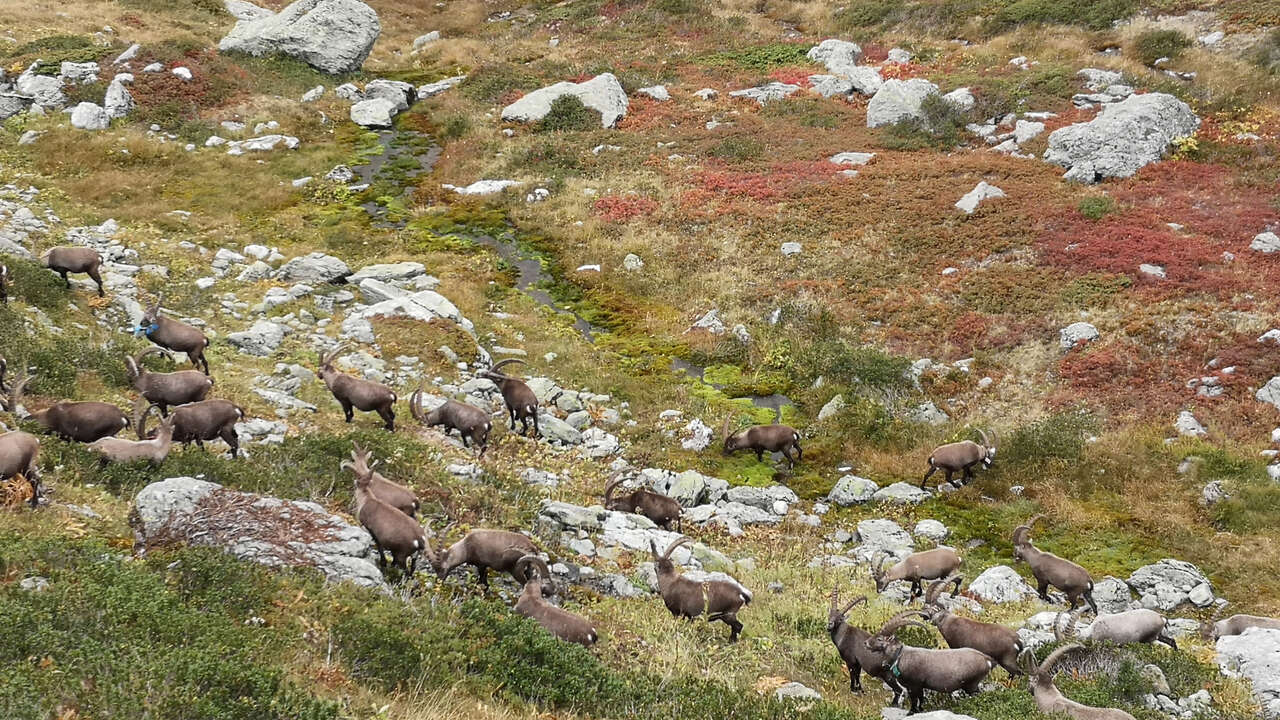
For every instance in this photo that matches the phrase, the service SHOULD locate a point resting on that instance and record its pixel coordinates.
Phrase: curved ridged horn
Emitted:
(901, 620)
(415, 403)
(985, 442)
(1046, 667)
(855, 601)
(1207, 626)
(142, 419)
(672, 548)
(931, 595)
(1034, 519)
(496, 367)
(835, 595)
(4, 366)
(137, 359)
(877, 565)
(609, 487)
(326, 359)
(521, 568)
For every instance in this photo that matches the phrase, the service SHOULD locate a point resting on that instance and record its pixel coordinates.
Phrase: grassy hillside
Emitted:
(704, 192)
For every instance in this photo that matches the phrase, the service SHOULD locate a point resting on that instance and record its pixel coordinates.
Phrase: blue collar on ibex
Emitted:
(145, 329)
(894, 669)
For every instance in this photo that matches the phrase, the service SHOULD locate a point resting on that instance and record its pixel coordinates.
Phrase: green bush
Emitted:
(35, 285)
(1059, 436)
(1155, 44)
(760, 58)
(1091, 14)
(568, 114)
(1096, 207)
(865, 13)
(940, 126)
(489, 83)
(737, 149)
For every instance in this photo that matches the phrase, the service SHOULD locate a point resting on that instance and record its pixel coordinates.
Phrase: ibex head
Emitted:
(150, 319)
(835, 615)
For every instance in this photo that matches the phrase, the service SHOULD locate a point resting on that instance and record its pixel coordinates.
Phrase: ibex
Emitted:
(1051, 701)
(174, 335)
(391, 529)
(661, 509)
(165, 389)
(521, 403)
(63, 260)
(395, 495)
(850, 641)
(761, 438)
(918, 669)
(998, 642)
(470, 421)
(11, 396)
(1213, 628)
(119, 450)
(4, 284)
(1132, 626)
(82, 421)
(486, 550)
(1049, 569)
(960, 457)
(717, 599)
(201, 421)
(917, 567)
(358, 393)
(559, 622)
(18, 454)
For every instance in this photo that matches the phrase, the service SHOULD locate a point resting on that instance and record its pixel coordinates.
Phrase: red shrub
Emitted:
(621, 208)
(874, 53)
(779, 180)
(1207, 199)
(793, 76)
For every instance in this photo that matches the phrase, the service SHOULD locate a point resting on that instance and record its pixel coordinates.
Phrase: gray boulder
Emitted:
(763, 498)
(261, 340)
(1170, 583)
(1123, 138)
(118, 101)
(314, 268)
(402, 94)
(1265, 243)
(1076, 332)
(901, 493)
(333, 36)
(839, 56)
(899, 100)
(424, 306)
(555, 430)
(88, 116)
(852, 490)
(44, 90)
(767, 92)
(879, 535)
(253, 527)
(602, 93)
(1270, 393)
(931, 530)
(1001, 584)
(796, 691)
(1255, 656)
(374, 113)
(1112, 595)
(389, 272)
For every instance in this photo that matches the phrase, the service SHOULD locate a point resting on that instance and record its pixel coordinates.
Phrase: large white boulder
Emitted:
(374, 113)
(333, 36)
(1122, 139)
(602, 93)
(1169, 583)
(839, 56)
(1001, 584)
(87, 116)
(1255, 655)
(118, 101)
(899, 100)
(1270, 393)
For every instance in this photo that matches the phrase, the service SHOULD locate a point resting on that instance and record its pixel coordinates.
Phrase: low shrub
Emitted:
(1095, 207)
(1059, 436)
(1152, 45)
(737, 149)
(1090, 14)
(941, 126)
(760, 58)
(568, 114)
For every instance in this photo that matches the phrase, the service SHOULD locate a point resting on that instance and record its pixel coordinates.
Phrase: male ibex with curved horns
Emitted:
(485, 550)
(998, 642)
(961, 457)
(521, 402)
(166, 389)
(717, 599)
(850, 641)
(919, 669)
(470, 421)
(1049, 569)
(1050, 700)
(18, 450)
(557, 621)
(1131, 626)
(174, 335)
(1213, 628)
(762, 438)
(662, 510)
(358, 393)
(393, 494)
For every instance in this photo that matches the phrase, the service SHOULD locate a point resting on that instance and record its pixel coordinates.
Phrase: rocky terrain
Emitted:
(890, 225)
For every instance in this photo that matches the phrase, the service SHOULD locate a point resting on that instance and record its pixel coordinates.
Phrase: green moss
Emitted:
(760, 57)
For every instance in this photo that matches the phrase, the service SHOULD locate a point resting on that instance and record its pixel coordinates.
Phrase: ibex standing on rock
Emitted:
(1049, 569)
(1051, 701)
(470, 421)
(63, 260)
(762, 438)
(662, 510)
(557, 621)
(851, 642)
(353, 392)
(998, 642)
(960, 457)
(521, 403)
(174, 335)
(917, 567)
(918, 669)
(717, 599)
(1213, 628)
(165, 389)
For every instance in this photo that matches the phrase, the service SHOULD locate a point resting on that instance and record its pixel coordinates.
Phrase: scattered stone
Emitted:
(1270, 393)
(88, 116)
(1112, 595)
(632, 262)
(900, 56)
(852, 490)
(130, 53)
(182, 72)
(851, 158)
(1170, 583)
(1265, 242)
(314, 268)
(698, 436)
(982, 191)
(264, 143)
(706, 93)
(832, 408)
(261, 339)
(482, 187)
(425, 39)
(1001, 584)
(435, 88)
(839, 56)
(118, 101)
(657, 92)
(1075, 333)
(961, 99)
(767, 92)
(374, 113)
(603, 93)
(932, 530)
(1187, 425)
(790, 249)
(710, 321)
(796, 691)
(313, 94)
(899, 100)
(333, 36)
(901, 493)
(1214, 492)
(1123, 138)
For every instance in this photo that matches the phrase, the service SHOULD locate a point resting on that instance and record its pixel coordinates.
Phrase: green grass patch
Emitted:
(1155, 44)
(760, 57)
(568, 114)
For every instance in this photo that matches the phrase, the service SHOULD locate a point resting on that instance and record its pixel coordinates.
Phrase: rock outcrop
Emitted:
(1123, 138)
(333, 36)
(602, 93)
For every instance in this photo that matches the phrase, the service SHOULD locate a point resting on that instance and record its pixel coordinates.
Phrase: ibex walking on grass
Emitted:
(63, 260)
(165, 389)
(851, 643)
(960, 457)
(918, 669)
(762, 438)
(1049, 569)
(717, 599)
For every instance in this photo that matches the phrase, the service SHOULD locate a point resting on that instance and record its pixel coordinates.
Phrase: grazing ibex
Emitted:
(119, 450)
(1213, 628)
(661, 509)
(1132, 626)
(521, 402)
(63, 260)
(391, 529)
(165, 389)
(353, 392)
(761, 438)
(717, 599)
(917, 567)
(557, 621)
(393, 494)
(1051, 701)
(486, 550)
(471, 422)
(1049, 569)
(960, 457)
(201, 421)
(4, 284)
(174, 335)
(851, 642)
(918, 669)
(18, 454)
(82, 421)
(998, 642)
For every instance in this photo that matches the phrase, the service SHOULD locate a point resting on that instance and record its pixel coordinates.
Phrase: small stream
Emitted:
(399, 144)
